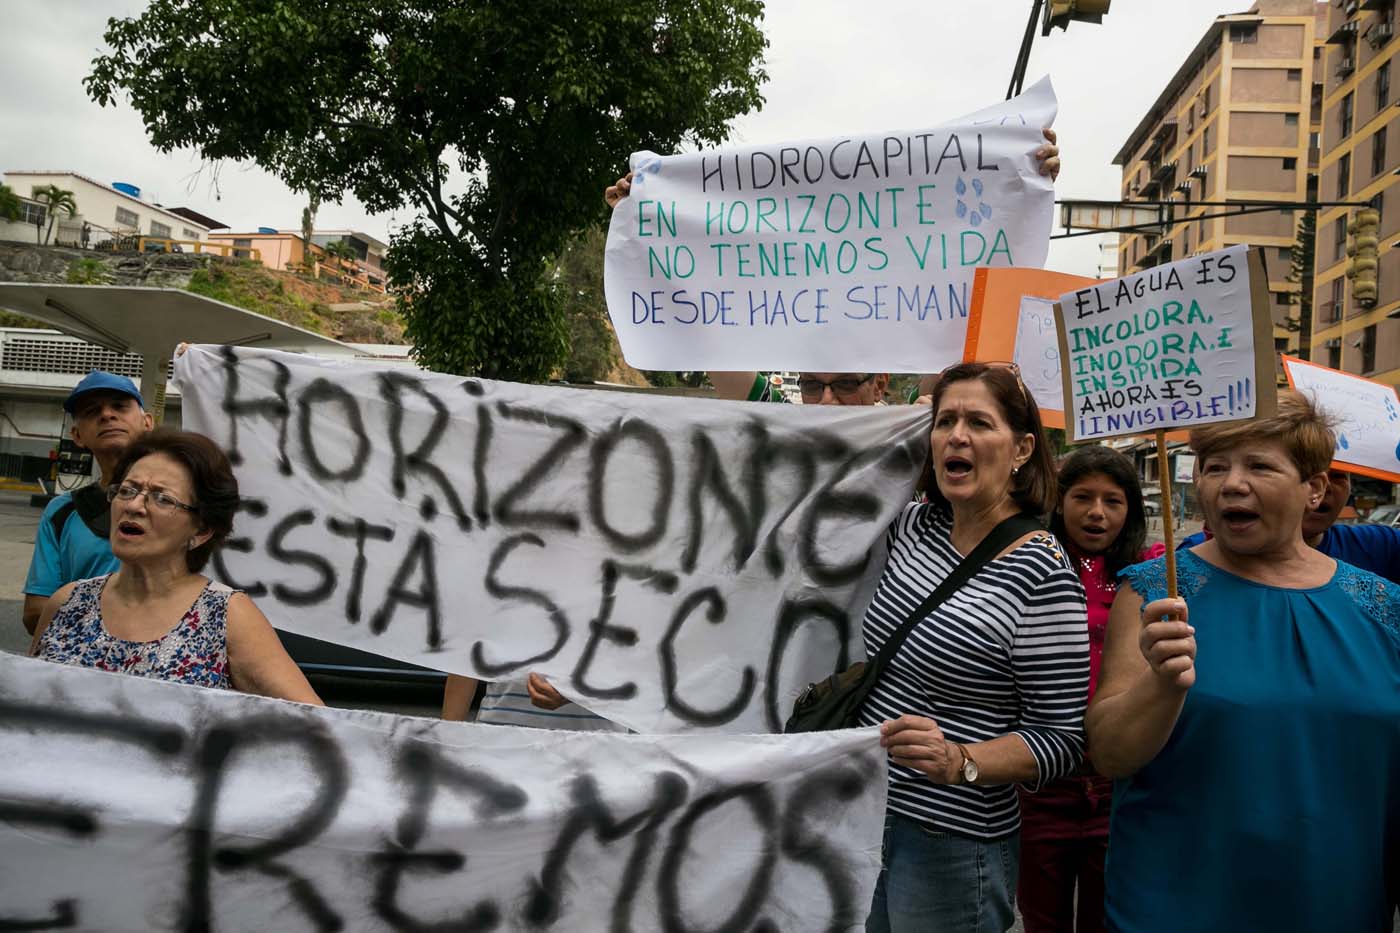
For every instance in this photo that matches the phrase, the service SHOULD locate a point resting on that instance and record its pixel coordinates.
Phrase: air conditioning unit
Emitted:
(1345, 67)
(1380, 34)
(1199, 171)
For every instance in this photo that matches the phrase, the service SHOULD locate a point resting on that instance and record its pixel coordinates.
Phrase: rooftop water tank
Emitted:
(267, 229)
(127, 188)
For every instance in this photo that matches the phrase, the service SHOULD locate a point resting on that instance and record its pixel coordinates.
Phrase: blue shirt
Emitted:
(1272, 805)
(1371, 547)
(77, 554)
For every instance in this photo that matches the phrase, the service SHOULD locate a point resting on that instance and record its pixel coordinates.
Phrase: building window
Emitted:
(1334, 355)
(126, 218)
(1290, 119)
(1314, 140)
(32, 213)
(1378, 152)
(1285, 254)
(1290, 164)
(190, 234)
(1295, 74)
(1347, 114)
(1338, 297)
(160, 230)
(1205, 141)
(1368, 349)
(1344, 176)
(1244, 33)
(1383, 86)
(1341, 238)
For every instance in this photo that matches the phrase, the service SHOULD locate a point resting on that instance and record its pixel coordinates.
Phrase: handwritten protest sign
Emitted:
(668, 564)
(1367, 415)
(132, 804)
(1013, 320)
(854, 253)
(1176, 346)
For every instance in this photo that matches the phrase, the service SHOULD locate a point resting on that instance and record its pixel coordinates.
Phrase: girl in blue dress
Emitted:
(1253, 722)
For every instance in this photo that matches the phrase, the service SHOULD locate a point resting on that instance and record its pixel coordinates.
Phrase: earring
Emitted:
(190, 546)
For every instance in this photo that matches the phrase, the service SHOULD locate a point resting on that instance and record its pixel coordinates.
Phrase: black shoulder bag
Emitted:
(835, 703)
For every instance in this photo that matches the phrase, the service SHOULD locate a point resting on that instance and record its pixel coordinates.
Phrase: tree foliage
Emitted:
(577, 280)
(499, 122)
(10, 207)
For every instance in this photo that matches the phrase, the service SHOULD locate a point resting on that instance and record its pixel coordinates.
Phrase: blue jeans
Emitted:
(936, 882)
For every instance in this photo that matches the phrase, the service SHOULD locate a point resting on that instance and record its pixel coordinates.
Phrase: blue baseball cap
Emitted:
(99, 381)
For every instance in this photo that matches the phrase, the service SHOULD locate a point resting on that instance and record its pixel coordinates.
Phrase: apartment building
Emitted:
(1359, 164)
(1238, 121)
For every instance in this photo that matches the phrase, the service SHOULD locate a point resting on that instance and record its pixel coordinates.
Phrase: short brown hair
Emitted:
(1033, 486)
(1304, 430)
(215, 487)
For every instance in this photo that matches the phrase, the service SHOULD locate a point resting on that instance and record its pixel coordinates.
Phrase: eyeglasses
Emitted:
(843, 387)
(1015, 371)
(161, 501)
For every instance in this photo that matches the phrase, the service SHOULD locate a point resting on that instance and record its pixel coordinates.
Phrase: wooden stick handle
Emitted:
(1164, 480)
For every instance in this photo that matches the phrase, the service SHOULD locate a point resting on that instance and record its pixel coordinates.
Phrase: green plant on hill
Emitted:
(499, 129)
(9, 204)
(87, 272)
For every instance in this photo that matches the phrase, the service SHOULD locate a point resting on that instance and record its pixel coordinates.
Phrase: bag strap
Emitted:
(993, 544)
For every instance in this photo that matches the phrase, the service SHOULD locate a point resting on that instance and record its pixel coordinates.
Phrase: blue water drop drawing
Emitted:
(1397, 451)
(985, 209)
(649, 166)
(961, 187)
(977, 186)
(1390, 413)
(1342, 442)
(960, 210)
(975, 219)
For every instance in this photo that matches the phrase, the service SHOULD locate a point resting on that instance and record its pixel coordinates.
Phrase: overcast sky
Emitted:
(835, 68)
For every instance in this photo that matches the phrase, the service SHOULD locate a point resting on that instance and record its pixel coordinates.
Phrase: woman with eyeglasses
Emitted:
(173, 499)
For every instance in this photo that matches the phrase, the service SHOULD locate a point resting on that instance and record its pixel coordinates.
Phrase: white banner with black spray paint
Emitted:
(136, 805)
(670, 564)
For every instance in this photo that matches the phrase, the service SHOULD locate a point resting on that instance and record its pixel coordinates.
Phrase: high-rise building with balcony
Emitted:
(1237, 122)
(1353, 328)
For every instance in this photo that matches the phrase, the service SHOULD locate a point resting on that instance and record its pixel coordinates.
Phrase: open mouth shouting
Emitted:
(1238, 519)
(130, 530)
(1094, 531)
(956, 468)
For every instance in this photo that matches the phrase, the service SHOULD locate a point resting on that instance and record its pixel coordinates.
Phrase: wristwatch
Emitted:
(969, 768)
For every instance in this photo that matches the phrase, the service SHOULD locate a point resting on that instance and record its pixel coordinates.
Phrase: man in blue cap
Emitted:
(71, 541)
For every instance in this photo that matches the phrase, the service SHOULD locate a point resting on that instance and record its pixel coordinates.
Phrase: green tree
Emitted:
(1301, 256)
(56, 199)
(500, 123)
(577, 280)
(9, 204)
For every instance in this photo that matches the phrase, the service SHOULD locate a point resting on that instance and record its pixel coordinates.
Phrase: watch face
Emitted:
(970, 771)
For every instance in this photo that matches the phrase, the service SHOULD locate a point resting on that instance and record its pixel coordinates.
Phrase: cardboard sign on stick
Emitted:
(1013, 320)
(1176, 346)
(1367, 413)
(845, 254)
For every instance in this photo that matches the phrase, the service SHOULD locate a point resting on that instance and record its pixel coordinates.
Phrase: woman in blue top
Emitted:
(1257, 737)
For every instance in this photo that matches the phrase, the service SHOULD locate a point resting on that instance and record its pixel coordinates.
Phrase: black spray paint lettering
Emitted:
(273, 407)
(745, 514)
(278, 550)
(793, 614)
(420, 561)
(423, 770)
(833, 503)
(220, 745)
(392, 387)
(509, 510)
(361, 531)
(320, 392)
(78, 822)
(240, 545)
(713, 600)
(589, 814)
(648, 439)
(601, 629)
(525, 594)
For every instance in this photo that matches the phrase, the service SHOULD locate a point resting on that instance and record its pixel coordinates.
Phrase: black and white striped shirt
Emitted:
(1008, 653)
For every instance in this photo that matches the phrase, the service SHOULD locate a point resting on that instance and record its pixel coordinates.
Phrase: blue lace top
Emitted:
(1272, 805)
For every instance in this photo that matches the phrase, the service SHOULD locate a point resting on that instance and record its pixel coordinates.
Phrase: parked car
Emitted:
(1384, 515)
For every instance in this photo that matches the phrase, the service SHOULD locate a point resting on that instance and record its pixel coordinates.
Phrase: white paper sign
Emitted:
(1168, 348)
(1185, 468)
(670, 564)
(834, 255)
(1367, 415)
(137, 805)
(1038, 353)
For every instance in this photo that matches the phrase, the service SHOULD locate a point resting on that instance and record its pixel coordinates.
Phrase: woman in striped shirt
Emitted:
(989, 689)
